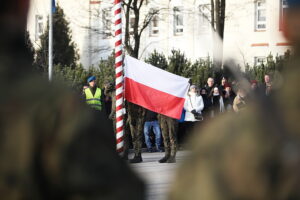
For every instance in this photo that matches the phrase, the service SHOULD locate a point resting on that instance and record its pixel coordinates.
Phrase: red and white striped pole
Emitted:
(119, 75)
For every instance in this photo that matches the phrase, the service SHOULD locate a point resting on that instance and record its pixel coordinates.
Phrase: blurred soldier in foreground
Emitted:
(257, 155)
(51, 145)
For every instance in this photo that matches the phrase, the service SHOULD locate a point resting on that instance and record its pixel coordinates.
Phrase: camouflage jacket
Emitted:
(52, 145)
(255, 156)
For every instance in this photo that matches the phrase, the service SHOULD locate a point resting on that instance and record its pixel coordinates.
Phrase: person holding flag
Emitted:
(160, 91)
(169, 131)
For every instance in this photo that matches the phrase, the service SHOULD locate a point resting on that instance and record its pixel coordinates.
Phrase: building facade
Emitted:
(90, 27)
(253, 28)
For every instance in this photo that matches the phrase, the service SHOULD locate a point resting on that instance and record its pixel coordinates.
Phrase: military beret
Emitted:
(227, 85)
(91, 78)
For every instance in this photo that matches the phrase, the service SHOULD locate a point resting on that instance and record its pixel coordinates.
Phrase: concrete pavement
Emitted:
(157, 176)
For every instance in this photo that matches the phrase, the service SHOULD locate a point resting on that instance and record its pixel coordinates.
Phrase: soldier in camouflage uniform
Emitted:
(257, 155)
(169, 132)
(109, 91)
(52, 145)
(136, 122)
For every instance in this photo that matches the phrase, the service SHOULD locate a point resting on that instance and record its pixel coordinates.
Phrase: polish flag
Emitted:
(153, 88)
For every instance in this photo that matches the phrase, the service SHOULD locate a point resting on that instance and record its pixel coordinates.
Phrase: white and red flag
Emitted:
(153, 88)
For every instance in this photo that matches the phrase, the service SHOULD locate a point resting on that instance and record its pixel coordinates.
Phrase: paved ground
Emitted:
(157, 176)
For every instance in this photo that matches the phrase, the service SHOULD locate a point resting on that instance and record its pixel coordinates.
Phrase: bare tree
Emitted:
(216, 17)
(219, 24)
(135, 24)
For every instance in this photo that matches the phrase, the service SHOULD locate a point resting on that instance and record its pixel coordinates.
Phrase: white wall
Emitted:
(196, 39)
(242, 40)
(77, 13)
(240, 37)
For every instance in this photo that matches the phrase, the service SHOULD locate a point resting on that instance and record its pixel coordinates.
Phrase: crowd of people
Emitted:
(205, 103)
(202, 104)
(228, 96)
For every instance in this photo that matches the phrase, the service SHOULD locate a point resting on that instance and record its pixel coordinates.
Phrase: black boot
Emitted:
(171, 159)
(136, 159)
(164, 159)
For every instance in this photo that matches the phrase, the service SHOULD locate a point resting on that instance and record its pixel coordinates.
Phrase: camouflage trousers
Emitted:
(136, 135)
(169, 132)
(136, 123)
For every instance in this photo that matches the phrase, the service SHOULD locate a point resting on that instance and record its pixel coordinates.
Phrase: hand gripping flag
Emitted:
(153, 88)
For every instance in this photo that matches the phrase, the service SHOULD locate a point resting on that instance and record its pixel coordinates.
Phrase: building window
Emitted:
(107, 22)
(154, 26)
(131, 23)
(260, 15)
(259, 60)
(39, 27)
(204, 18)
(178, 21)
(283, 10)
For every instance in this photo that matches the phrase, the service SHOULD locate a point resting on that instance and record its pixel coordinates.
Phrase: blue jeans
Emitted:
(156, 129)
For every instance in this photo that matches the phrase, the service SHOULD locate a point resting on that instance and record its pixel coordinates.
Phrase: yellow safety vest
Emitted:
(93, 101)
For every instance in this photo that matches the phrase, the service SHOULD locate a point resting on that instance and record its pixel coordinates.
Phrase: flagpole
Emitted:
(119, 75)
(50, 41)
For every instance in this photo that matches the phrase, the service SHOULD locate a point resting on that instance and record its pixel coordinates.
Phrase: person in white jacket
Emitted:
(193, 103)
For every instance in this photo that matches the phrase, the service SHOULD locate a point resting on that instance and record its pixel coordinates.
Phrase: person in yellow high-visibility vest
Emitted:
(93, 94)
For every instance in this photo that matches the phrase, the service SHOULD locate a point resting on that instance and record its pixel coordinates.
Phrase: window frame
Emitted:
(204, 18)
(131, 22)
(257, 62)
(258, 9)
(39, 26)
(282, 12)
(154, 28)
(178, 13)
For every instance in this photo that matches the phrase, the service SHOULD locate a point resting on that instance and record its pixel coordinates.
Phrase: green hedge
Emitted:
(177, 63)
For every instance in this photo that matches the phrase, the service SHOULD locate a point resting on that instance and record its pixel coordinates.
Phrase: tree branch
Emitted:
(141, 3)
(212, 12)
(128, 4)
(127, 44)
(147, 20)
